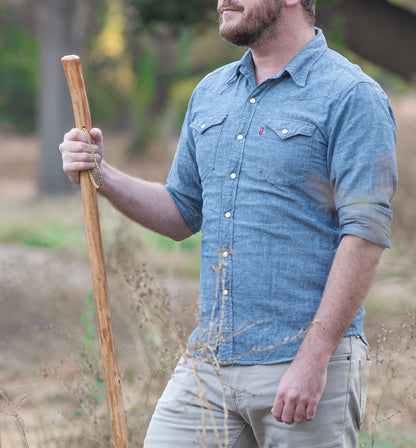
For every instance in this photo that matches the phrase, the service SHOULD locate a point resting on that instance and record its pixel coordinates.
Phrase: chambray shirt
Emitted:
(274, 175)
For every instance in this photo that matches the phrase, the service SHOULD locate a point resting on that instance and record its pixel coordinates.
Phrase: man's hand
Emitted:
(299, 392)
(302, 386)
(76, 154)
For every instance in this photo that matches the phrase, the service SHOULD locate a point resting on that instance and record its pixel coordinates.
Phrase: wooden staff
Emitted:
(73, 71)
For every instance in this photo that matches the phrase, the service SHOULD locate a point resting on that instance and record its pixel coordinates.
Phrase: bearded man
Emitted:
(286, 161)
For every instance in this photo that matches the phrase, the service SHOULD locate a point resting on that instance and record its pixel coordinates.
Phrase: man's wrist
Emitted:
(317, 347)
(106, 173)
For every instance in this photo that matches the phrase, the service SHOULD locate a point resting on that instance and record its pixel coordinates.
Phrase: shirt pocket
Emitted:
(286, 149)
(207, 132)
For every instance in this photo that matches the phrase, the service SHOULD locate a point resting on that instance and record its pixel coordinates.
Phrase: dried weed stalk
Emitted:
(392, 379)
(11, 408)
(159, 340)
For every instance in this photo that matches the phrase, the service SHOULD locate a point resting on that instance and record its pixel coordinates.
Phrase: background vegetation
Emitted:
(141, 61)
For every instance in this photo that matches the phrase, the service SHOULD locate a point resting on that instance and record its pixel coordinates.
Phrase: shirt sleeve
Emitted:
(362, 163)
(184, 183)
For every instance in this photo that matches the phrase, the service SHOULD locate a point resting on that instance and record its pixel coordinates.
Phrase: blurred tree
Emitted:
(141, 55)
(377, 30)
(62, 28)
(176, 13)
(166, 29)
(109, 72)
(18, 69)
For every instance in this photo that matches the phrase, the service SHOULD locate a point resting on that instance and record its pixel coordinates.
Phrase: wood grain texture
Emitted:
(73, 71)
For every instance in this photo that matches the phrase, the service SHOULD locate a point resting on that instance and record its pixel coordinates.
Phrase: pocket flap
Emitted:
(289, 128)
(202, 124)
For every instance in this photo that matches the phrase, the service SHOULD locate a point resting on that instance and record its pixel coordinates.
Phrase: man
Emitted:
(286, 162)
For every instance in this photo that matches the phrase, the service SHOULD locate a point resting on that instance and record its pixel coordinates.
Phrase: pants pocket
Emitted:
(364, 380)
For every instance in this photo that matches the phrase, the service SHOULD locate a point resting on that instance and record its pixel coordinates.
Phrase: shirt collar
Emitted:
(298, 68)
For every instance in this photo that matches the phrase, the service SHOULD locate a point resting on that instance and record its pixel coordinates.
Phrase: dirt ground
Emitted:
(32, 322)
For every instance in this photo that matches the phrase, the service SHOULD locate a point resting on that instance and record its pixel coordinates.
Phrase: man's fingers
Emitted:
(300, 412)
(288, 413)
(278, 409)
(73, 146)
(76, 151)
(292, 412)
(83, 156)
(96, 135)
(284, 410)
(311, 411)
(75, 135)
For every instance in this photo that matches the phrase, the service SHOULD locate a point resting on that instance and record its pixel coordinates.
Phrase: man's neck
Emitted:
(271, 57)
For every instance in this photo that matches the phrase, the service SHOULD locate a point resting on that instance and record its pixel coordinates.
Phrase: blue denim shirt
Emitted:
(274, 175)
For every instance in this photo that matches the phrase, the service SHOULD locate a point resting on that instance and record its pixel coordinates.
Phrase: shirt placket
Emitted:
(227, 218)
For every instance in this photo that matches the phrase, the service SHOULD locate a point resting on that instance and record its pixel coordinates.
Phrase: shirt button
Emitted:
(253, 100)
(225, 292)
(228, 215)
(233, 175)
(203, 126)
(225, 254)
(240, 137)
(285, 131)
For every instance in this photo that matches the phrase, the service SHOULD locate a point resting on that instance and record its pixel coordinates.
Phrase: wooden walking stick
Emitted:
(73, 71)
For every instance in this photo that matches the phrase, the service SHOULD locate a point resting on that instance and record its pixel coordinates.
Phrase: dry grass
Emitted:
(50, 366)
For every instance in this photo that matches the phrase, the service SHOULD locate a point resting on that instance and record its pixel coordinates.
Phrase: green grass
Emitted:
(364, 441)
(59, 225)
(42, 233)
(178, 257)
(190, 244)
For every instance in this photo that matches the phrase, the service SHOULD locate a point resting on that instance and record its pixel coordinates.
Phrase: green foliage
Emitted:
(176, 13)
(162, 242)
(366, 441)
(93, 388)
(179, 257)
(88, 318)
(323, 3)
(145, 69)
(18, 79)
(49, 234)
(179, 94)
(103, 98)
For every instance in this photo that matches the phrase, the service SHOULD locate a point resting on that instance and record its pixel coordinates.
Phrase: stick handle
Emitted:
(73, 70)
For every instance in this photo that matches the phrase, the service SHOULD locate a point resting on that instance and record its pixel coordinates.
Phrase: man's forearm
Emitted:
(147, 203)
(348, 282)
(351, 274)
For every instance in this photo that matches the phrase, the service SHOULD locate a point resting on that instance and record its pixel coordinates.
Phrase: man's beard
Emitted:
(256, 28)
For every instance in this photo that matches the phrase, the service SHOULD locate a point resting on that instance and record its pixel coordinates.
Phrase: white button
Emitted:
(240, 137)
(253, 100)
(285, 131)
(233, 175)
(225, 292)
(225, 254)
(228, 215)
(203, 126)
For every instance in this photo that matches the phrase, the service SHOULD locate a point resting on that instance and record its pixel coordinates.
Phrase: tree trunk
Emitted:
(376, 30)
(61, 29)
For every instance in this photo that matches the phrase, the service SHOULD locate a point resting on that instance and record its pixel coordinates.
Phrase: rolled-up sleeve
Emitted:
(362, 163)
(184, 183)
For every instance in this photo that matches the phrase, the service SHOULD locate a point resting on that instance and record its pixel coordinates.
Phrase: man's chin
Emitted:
(227, 30)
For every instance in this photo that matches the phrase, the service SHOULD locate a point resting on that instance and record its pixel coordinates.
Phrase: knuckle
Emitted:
(75, 134)
(79, 146)
(70, 134)
(293, 395)
(288, 420)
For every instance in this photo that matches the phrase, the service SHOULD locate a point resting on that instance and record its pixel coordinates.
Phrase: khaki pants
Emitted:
(190, 412)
